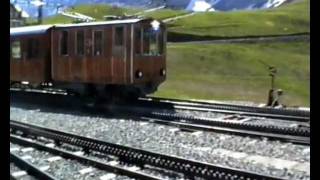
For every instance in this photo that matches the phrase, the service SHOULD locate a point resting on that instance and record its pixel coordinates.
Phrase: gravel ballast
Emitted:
(61, 168)
(203, 146)
(14, 170)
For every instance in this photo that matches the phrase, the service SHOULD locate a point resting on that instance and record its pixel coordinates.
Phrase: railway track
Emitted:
(189, 168)
(76, 156)
(192, 123)
(27, 169)
(147, 111)
(286, 114)
(202, 106)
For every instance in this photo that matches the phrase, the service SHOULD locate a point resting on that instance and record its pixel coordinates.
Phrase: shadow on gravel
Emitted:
(71, 105)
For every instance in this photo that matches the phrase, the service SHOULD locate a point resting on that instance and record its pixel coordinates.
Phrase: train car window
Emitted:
(64, 43)
(137, 38)
(146, 41)
(152, 42)
(161, 42)
(80, 42)
(16, 50)
(97, 40)
(119, 36)
(33, 48)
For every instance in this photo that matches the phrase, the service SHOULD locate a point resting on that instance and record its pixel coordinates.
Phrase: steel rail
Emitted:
(281, 114)
(287, 114)
(31, 169)
(193, 127)
(86, 160)
(250, 108)
(237, 125)
(232, 108)
(189, 168)
(287, 134)
(147, 113)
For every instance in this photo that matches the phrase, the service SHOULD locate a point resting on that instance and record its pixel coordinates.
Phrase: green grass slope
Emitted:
(98, 11)
(95, 11)
(287, 19)
(233, 72)
(164, 13)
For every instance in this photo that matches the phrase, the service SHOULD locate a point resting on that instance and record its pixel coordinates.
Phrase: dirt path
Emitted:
(149, 10)
(178, 17)
(284, 38)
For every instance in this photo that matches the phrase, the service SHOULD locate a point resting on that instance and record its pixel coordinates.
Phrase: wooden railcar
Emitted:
(127, 56)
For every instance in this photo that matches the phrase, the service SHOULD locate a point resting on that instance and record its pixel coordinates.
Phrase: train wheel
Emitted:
(90, 91)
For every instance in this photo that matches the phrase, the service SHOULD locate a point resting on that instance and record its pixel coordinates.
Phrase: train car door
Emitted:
(119, 54)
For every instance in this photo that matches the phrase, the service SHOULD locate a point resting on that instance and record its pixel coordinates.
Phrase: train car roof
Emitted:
(42, 29)
(29, 30)
(124, 21)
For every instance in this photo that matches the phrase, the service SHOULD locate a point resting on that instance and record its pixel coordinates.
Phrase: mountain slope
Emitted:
(232, 71)
(288, 19)
(227, 5)
(221, 5)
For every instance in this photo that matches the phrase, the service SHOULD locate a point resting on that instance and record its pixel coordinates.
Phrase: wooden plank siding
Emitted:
(34, 70)
(115, 65)
(85, 68)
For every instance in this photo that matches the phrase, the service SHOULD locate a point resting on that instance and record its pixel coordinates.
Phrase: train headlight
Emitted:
(139, 74)
(163, 72)
(155, 25)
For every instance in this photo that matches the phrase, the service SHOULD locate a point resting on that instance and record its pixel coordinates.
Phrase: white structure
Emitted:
(17, 16)
(223, 5)
(273, 3)
(78, 16)
(191, 5)
(38, 3)
(199, 6)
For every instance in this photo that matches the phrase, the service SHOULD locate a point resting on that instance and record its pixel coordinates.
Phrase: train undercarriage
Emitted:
(98, 91)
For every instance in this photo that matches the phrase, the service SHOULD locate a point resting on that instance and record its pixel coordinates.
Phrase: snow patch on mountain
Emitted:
(24, 14)
(229, 5)
(199, 6)
(273, 3)
(51, 6)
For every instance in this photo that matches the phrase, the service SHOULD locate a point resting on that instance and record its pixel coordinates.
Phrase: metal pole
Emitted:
(272, 82)
(273, 72)
(40, 13)
(272, 98)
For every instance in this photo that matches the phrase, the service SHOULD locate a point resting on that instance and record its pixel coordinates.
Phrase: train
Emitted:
(125, 57)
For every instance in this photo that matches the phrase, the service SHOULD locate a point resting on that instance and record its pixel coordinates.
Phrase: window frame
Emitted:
(20, 49)
(115, 36)
(83, 43)
(60, 42)
(93, 42)
(162, 42)
(154, 43)
(140, 29)
(33, 48)
(157, 42)
(143, 42)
